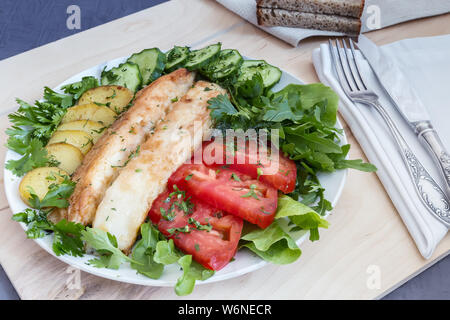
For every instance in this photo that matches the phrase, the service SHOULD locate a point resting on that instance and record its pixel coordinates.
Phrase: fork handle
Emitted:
(430, 193)
(430, 138)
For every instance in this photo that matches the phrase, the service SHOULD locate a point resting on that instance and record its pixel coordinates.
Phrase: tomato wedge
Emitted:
(211, 236)
(272, 167)
(228, 190)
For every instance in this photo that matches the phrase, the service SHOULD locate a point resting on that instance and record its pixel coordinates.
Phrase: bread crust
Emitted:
(348, 8)
(285, 18)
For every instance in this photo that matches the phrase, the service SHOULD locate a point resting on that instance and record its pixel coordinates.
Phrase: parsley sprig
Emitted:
(33, 125)
(67, 235)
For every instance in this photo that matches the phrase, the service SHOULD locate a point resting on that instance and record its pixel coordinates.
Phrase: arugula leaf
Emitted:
(301, 215)
(342, 163)
(78, 88)
(144, 252)
(166, 253)
(153, 252)
(106, 245)
(277, 112)
(192, 271)
(272, 244)
(356, 164)
(306, 97)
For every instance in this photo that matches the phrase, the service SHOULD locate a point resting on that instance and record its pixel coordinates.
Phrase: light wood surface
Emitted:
(365, 233)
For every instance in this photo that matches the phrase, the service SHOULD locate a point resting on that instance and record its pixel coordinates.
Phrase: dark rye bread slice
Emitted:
(285, 18)
(348, 8)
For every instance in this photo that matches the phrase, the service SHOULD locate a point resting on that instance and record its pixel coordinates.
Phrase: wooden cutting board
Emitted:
(366, 239)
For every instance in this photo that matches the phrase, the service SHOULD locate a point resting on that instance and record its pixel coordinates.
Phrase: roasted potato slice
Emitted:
(114, 97)
(93, 128)
(90, 111)
(68, 156)
(38, 180)
(77, 138)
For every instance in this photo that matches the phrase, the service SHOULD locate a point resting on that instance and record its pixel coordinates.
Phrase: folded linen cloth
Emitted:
(377, 14)
(424, 62)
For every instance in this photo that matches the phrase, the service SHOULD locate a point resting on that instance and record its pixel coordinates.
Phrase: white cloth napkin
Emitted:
(377, 14)
(424, 61)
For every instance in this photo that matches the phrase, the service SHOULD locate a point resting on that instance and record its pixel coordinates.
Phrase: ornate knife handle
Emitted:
(430, 138)
(428, 190)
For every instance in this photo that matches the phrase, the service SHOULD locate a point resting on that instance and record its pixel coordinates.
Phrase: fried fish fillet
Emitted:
(128, 200)
(114, 149)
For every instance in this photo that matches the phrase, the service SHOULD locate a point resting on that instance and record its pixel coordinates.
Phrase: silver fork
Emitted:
(351, 81)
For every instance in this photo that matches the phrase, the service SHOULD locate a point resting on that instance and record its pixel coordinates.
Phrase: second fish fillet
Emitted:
(118, 145)
(127, 202)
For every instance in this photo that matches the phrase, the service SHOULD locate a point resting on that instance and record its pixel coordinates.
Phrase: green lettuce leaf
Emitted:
(301, 215)
(272, 244)
(166, 253)
(144, 251)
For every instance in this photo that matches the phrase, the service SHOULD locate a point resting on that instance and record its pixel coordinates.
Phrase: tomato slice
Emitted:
(272, 167)
(212, 248)
(230, 191)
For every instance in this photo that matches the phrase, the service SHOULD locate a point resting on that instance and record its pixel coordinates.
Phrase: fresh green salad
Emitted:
(305, 116)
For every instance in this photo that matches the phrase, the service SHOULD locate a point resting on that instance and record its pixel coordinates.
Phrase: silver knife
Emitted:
(405, 99)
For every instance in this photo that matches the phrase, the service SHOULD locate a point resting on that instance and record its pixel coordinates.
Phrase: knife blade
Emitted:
(407, 102)
(403, 96)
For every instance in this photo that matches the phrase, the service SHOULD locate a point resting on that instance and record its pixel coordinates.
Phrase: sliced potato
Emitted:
(38, 180)
(90, 111)
(93, 128)
(77, 138)
(115, 97)
(68, 156)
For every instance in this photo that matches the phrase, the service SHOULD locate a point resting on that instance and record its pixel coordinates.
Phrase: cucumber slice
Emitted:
(126, 75)
(176, 58)
(270, 74)
(151, 63)
(200, 58)
(227, 62)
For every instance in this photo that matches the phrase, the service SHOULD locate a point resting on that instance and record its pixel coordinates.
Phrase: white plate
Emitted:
(245, 260)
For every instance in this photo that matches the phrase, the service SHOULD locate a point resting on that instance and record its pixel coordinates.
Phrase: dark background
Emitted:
(27, 24)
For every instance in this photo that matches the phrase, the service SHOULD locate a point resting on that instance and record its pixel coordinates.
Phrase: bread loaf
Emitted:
(286, 18)
(348, 8)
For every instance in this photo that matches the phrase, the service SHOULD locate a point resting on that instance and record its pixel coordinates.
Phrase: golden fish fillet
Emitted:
(127, 202)
(114, 149)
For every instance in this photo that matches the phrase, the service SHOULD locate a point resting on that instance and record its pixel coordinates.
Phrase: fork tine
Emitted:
(345, 66)
(338, 67)
(350, 65)
(352, 48)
